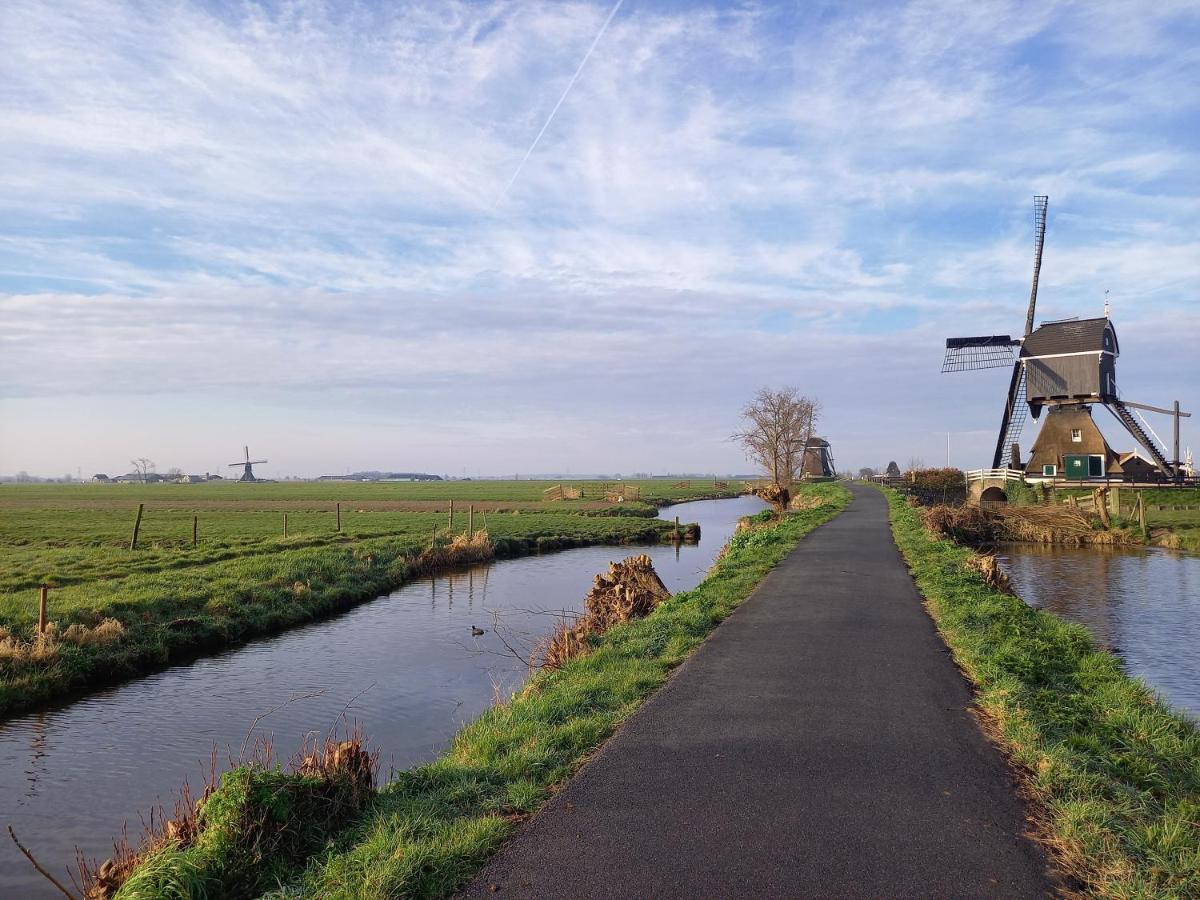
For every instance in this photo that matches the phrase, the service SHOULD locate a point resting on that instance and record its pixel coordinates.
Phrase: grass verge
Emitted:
(1116, 771)
(174, 614)
(429, 830)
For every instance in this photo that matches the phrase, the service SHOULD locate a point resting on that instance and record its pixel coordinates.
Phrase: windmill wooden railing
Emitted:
(994, 474)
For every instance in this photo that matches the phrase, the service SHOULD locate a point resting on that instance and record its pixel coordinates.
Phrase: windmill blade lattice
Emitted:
(967, 354)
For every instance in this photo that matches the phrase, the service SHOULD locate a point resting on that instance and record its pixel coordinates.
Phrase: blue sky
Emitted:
(287, 225)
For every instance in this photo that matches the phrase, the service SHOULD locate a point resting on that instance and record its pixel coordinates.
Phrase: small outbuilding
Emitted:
(1136, 469)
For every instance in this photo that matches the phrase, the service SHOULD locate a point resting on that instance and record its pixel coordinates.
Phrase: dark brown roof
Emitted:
(1074, 336)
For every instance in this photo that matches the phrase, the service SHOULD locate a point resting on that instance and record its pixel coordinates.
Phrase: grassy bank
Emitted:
(117, 612)
(1177, 529)
(430, 829)
(1115, 772)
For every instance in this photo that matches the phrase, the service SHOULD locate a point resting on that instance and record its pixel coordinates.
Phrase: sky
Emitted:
(324, 229)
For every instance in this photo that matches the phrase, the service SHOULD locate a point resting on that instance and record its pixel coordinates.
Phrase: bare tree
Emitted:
(777, 424)
(142, 467)
(915, 464)
(866, 473)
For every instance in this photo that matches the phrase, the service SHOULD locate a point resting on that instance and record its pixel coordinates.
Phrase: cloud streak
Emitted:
(562, 97)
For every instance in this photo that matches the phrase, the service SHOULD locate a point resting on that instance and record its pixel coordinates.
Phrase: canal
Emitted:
(1143, 603)
(405, 667)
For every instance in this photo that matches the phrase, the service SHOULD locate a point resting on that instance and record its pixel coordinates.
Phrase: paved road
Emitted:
(819, 744)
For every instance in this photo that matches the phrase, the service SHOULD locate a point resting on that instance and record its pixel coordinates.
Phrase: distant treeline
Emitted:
(382, 476)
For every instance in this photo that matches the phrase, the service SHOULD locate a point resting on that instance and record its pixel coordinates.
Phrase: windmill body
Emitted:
(818, 459)
(1064, 367)
(247, 466)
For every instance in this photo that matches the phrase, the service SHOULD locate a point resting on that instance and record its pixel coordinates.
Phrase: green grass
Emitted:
(1116, 772)
(1183, 523)
(653, 490)
(431, 828)
(243, 579)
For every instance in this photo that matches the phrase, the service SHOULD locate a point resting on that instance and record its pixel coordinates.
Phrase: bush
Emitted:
(932, 486)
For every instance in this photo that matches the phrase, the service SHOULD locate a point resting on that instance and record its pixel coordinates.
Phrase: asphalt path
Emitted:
(819, 744)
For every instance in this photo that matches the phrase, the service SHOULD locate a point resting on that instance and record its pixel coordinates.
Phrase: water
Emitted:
(1144, 604)
(405, 667)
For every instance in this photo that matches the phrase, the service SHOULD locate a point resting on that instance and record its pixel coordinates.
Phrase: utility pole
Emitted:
(1175, 460)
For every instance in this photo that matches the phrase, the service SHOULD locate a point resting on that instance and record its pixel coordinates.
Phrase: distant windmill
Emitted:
(1065, 367)
(248, 472)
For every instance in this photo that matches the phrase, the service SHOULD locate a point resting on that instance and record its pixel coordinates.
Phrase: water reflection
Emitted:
(1142, 603)
(407, 667)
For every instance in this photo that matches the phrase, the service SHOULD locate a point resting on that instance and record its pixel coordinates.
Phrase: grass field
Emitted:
(244, 578)
(1184, 524)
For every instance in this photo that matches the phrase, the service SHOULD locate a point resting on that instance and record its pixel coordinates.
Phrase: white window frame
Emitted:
(1050, 470)
(1077, 435)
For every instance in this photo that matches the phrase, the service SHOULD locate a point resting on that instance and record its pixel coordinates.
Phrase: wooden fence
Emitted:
(619, 493)
(561, 492)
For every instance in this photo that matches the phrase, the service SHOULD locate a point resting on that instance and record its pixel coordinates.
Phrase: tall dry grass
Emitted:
(630, 590)
(1032, 524)
(44, 647)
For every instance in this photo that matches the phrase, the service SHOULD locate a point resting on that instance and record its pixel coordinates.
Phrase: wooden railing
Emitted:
(994, 474)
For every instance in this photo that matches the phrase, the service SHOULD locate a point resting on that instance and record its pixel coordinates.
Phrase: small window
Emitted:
(1050, 471)
(1077, 435)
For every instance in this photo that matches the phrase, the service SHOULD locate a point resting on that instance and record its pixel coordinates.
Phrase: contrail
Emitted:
(570, 84)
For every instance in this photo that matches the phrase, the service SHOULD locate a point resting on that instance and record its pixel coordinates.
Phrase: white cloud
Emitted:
(308, 196)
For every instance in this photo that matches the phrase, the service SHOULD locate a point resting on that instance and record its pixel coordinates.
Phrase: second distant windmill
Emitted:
(248, 464)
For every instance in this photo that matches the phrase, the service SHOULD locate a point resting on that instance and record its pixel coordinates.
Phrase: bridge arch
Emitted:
(993, 494)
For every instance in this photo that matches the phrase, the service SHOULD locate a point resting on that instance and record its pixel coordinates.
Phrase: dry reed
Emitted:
(1033, 524)
(630, 590)
(339, 782)
(44, 647)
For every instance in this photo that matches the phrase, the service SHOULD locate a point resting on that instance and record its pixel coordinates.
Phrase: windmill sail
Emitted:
(993, 351)
(1015, 413)
(1040, 205)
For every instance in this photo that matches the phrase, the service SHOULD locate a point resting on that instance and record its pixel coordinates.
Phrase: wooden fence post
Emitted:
(450, 523)
(43, 603)
(285, 530)
(137, 526)
(195, 529)
(1141, 511)
(1100, 501)
(339, 517)
(677, 529)
(471, 519)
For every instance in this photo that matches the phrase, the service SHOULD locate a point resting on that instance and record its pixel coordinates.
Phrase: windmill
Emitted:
(248, 472)
(1066, 367)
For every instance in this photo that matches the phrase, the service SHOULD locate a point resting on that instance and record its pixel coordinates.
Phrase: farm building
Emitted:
(1135, 468)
